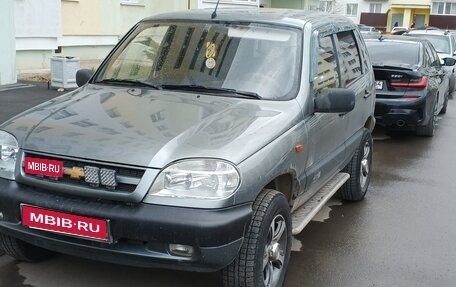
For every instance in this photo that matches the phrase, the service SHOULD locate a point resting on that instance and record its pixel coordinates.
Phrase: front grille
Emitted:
(127, 178)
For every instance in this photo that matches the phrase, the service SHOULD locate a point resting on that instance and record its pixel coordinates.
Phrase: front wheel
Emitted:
(360, 170)
(23, 251)
(265, 252)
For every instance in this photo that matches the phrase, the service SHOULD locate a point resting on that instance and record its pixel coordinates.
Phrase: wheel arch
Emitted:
(286, 184)
(370, 123)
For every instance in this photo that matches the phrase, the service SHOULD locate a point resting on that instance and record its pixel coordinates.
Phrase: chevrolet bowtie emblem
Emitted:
(74, 172)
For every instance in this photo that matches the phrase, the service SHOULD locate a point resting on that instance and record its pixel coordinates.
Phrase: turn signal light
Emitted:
(181, 250)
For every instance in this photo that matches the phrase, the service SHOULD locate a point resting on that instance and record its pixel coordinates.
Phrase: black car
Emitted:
(411, 85)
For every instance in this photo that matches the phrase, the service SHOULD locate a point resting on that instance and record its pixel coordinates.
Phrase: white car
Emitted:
(369, 31)
(399, 30)
(444, 43)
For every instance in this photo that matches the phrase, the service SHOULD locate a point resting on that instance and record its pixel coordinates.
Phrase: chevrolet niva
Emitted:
(201, 143)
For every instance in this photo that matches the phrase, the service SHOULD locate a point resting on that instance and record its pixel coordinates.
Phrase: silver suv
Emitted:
(203, 142)
(445, 45)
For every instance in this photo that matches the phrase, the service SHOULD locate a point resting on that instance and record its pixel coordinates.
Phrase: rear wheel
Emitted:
(428, 130)
(23, 251)
(359, 169)
(265, 252)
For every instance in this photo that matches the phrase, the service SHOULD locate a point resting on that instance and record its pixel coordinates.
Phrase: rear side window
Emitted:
(350, 60)
(428, 59)
(434, 57)
(328, 72)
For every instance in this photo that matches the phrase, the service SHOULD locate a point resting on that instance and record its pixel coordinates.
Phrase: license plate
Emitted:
(65, 223)
(43, 167)
(379, 85)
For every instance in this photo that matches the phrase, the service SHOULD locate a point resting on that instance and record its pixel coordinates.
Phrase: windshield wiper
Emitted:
(130, 82)
(199, 88)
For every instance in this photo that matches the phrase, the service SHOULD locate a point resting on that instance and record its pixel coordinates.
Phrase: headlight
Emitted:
(8, 152)
(200, 179)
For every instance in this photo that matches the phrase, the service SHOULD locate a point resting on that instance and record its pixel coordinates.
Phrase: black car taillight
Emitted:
(419, 83)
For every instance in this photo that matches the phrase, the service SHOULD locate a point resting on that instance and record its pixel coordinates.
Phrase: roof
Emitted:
(286, 17)
(429, 32)
(397, 39)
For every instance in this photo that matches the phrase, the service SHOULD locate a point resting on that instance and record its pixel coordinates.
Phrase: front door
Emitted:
(325, 130)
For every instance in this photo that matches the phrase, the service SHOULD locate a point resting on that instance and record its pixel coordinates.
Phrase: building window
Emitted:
(132, 2)
(326, 6)
(351, 62)
(444, 8)
(328, 70)
(352, 9)
(375, 8)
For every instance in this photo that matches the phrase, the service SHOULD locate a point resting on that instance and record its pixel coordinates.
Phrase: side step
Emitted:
(303, 215)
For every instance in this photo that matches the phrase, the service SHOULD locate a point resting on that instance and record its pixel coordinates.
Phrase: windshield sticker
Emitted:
(210, 50)
(210, 63)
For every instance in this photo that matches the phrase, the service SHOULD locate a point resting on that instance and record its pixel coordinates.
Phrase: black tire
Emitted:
(261, 255)
(445, 104)
(23, 251)
(428, 130)
(360, 170)
(452, 87)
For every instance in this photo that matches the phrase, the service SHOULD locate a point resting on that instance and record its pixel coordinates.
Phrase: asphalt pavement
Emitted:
(19, 97)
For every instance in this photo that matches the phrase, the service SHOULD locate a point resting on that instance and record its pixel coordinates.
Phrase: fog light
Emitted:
(1, 215)
(181, 250)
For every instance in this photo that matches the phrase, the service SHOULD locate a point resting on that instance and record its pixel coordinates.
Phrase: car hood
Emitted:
(149, 128)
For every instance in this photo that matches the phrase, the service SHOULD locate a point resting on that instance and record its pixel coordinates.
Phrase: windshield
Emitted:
(393, 53)
(258, 59)
(441, 43)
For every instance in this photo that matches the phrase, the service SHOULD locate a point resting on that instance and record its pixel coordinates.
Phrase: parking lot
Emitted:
(402, 234)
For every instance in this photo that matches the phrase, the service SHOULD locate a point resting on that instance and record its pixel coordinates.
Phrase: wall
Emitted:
(37, 24)
(7, 48)
(228, 3)
(290, 4)
(87, 29)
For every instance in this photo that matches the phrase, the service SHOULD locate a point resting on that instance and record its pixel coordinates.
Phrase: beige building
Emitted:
(87, 29)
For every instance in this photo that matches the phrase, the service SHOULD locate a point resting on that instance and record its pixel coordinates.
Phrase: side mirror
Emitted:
(449, 62)
(83, 76)
(335, 100)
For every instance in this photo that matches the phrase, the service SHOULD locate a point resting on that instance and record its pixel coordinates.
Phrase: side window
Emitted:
(364, 54)
(427, 58)
(328, 72)
(453, 40)
(350, 62)
(435, 60)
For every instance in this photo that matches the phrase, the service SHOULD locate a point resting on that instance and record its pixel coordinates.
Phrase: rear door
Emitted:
(440, 80)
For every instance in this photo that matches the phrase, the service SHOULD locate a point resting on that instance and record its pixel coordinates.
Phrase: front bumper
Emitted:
(141, 233)
(402, 114)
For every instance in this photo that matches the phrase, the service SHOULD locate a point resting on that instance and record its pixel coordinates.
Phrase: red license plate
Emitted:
(43, 167)
(64, 223)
